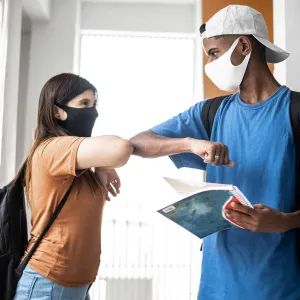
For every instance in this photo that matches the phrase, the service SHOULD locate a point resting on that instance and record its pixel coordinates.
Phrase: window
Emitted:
(142, 81)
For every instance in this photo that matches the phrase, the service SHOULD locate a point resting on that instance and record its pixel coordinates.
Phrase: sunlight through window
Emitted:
(142, 81)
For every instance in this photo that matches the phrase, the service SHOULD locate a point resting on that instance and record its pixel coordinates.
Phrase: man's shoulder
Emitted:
(219, 98)
(212, 104)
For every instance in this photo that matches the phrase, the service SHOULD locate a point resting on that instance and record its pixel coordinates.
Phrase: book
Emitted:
(201, 205)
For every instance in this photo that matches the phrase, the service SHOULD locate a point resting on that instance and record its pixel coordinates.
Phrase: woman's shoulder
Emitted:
(60, 141)
(58, 154)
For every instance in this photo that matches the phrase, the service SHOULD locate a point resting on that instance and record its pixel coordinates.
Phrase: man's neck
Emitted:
(258, 85)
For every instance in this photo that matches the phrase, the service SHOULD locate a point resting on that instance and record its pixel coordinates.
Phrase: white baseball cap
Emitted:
(243, 20)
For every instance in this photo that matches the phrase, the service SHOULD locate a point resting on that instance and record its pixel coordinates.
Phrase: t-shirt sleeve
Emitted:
(59, 155)
(186, 124)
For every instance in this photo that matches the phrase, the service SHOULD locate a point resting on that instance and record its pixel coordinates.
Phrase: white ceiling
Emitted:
(144, 1)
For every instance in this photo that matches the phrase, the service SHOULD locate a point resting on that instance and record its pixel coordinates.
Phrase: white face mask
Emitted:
(224, 74)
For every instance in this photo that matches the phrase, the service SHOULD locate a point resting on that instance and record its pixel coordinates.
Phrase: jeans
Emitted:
(33, 286)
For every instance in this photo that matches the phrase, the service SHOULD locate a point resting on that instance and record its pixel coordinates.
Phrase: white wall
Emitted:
(286, 26)
(279, 24)
(198, 54)
(292, 17)
(37, 9)
(139, 17)
(23, 89)
(52, 52)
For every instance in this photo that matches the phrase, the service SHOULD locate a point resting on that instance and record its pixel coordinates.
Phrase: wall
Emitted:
(292, 8)
(286, 23)
(138, 17)
(37, 9)
(279, 23)
(23, 89)
(198, 55)
(209, 8)
(52, 51)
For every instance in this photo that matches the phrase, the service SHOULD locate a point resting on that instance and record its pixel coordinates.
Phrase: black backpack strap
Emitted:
(23, 264)
(208, 113)
(295, 121)
(295, 118)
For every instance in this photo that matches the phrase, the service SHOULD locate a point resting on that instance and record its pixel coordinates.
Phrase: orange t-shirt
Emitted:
(69, 254)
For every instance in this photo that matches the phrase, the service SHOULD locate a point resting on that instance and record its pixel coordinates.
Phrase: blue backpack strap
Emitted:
(208, 113)
(295, 121)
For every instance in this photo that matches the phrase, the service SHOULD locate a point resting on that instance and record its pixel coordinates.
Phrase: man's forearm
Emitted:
(150, 145)
(291, 220)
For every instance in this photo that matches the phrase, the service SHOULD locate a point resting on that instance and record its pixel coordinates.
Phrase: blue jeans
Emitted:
(33, 286)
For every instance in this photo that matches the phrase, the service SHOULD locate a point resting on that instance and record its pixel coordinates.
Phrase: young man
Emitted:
(251, 147)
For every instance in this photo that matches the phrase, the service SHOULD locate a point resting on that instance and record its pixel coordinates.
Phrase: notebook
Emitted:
(200, 208)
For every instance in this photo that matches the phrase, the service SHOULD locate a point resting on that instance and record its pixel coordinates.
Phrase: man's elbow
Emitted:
(140, 144)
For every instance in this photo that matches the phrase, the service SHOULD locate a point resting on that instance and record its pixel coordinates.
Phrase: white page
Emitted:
(185, 188)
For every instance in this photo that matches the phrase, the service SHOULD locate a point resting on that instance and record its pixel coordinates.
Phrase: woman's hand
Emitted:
(110, 180)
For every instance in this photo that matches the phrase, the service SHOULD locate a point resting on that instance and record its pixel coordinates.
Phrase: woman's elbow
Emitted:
(125, 150)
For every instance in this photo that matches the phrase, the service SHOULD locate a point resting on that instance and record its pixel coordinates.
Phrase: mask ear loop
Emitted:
(62, 107)
(236, 43)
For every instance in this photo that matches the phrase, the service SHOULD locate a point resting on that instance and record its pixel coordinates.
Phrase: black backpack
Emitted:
(209, 111)
(13, 234)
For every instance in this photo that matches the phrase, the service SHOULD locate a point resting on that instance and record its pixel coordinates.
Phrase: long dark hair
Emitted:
(58, 90)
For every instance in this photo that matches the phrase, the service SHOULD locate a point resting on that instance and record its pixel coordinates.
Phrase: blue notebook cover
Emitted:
(202, 212)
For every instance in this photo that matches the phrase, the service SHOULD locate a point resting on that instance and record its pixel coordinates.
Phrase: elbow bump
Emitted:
(126, 150)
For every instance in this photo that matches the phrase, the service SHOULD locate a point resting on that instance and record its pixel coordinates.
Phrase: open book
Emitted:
(200, 210)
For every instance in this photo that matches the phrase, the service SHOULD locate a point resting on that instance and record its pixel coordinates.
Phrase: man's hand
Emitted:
(110, 181)
(150, 145)
(260, 219)
(213, 153)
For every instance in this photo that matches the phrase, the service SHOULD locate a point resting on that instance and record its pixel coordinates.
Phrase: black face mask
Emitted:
(80, 121)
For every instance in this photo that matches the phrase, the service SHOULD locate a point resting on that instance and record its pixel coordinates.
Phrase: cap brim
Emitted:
(274, 54)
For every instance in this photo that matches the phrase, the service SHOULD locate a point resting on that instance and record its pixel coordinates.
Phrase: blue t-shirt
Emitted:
(240, 264)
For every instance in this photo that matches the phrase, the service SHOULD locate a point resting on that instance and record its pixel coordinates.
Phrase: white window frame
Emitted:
(3, 61)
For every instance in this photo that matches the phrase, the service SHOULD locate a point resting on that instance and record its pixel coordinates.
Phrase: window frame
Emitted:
(3, 61)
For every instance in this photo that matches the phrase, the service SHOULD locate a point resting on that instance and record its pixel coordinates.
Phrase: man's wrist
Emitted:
(188, 144)
(291, 221)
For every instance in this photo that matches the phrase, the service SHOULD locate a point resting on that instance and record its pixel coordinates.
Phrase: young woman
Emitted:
(67, 260)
